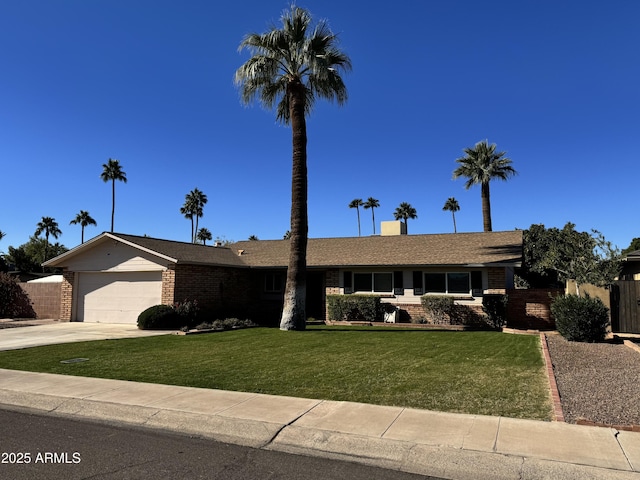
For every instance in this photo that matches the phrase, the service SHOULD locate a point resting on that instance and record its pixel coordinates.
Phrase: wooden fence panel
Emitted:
(625, 305)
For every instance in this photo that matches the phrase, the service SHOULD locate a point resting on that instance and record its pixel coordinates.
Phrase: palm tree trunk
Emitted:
(294, 309)
(358, 210)
(113, 202)
(486, 207)
(82, 235)
(46, 248)
(373, 220)
(453, 214)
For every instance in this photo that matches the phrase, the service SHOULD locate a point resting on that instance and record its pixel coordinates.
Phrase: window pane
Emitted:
(435, 282)
(458, 282)
(362, 282)
(382, 282)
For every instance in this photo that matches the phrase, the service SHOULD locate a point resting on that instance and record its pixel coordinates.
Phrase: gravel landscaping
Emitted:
(598, 382)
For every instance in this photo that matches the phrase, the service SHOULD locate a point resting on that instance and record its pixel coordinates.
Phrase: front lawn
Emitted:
(486, 373)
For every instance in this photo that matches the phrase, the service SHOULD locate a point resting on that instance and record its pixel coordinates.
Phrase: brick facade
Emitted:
(66, 295)
(497, 278)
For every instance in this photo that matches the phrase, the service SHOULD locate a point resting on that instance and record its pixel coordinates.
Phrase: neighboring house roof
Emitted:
(632, 256)
(459, 249)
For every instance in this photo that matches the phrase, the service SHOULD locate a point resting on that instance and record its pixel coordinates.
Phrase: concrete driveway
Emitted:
(68, 332)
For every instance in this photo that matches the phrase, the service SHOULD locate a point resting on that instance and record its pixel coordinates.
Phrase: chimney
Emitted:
(395, 227)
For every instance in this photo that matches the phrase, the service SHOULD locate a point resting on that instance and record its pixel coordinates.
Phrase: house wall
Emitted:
(410, 305)
(111, 256)
(221, 289)
(45, 298)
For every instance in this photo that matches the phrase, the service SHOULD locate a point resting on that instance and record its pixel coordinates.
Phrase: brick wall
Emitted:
(497, 277)
(45, 298)
(217, 288)
(66, 295)
(531, 308)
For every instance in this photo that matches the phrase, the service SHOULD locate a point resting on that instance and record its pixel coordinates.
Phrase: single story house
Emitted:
(630, 266)
(113, 277)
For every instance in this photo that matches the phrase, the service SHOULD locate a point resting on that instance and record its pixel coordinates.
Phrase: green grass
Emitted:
(485, 373)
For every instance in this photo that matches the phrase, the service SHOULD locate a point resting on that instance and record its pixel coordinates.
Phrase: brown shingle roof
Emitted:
(187, 252)
(399, 250)
(492, 248)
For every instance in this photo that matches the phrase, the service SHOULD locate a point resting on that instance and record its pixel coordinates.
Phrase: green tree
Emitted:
(405, 212)
(289, 68)
(633, 246)
(452, 205)
(203, 235)
(571, 255)
(287, 235)
(480, 165)
(357, 203)
(49, 227)
(253, 238)
(2, 234)
(112, 171)
(84, 219)
(372, 203)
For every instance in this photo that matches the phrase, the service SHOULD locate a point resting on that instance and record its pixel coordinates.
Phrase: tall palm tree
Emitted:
(84, 219)
(372, 203)
(199, 199)
(2, 234)
(289, 68)
(112, 171)
(357, 203)
(188, 209)
(193, 207)
(50, 227)
(452, 206)
(203, 235)
(480, 165)
(405, 211)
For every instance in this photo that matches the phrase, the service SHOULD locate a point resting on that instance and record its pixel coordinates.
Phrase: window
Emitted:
(449, 282)
(273, 282)
(373, 282)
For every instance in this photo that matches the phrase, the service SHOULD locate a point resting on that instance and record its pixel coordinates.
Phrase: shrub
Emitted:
(188, 311)
(353, 307)
(160, 317)
(580, 319)
(495, 308)
(439, 308)
(14, 302)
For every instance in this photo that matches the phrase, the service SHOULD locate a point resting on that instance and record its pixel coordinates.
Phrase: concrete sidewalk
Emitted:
(430, 443)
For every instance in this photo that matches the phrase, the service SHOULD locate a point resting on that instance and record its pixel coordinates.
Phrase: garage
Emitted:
(116, 297)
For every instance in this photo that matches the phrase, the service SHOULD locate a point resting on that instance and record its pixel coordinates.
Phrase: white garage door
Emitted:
(117, 297)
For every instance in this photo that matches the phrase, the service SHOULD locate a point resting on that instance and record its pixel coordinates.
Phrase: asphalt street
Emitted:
(34, 446)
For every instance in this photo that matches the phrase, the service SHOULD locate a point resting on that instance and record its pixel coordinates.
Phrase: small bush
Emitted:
(439, 308)
(160, 317)
(14, 302)
(495, 308)
(354, 307)
(580, 319)
(188, 311)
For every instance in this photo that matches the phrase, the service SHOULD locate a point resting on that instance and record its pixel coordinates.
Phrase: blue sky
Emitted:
(150, 83)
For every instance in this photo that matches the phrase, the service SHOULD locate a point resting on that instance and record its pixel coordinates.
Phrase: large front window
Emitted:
(373, 282)
(449, 282)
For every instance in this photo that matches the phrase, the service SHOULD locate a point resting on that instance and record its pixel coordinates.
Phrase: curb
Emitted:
(558, 414)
